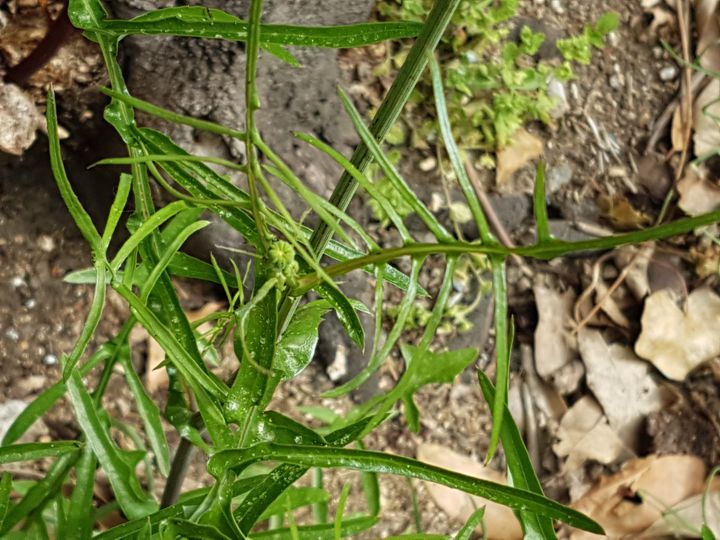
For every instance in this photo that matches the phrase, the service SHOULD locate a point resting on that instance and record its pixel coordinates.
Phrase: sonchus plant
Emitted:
(496, 80)
(274, 327)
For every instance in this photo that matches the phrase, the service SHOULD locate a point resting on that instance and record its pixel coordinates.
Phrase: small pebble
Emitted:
(669, 73)
(428, 164)
(46, 243)
(559, 176)
(557, 7)
(31, 303)
(50, 360)
(614, 82)
(614, 39)
(12, 334)
(17, 281)
(556, 90)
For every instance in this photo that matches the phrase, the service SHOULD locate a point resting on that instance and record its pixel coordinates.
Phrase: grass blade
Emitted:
(502, 352)
(365, 460)
(32, 451)
(521, 472)
(5, 492)
(471, 524)
(454, 154)
(341, 510)
(541, 215)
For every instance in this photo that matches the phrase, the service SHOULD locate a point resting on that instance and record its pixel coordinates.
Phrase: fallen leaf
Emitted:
(622, 214)
(708, 34)
(611, 304)
(634, 262)
(686, 518)
(629, 502)
(697, 194)
(524, 148)
(500, 522)
(584, 434)
(554, 341)
(19, 119)
(706, 110)
(623, 385)
(660, 17)
(678, 130)
(677, 341)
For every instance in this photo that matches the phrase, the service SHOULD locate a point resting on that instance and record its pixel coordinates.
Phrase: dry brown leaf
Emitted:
(708, 32)
(19, 119)
(662, 482)
(634, 262)
(622, 383)
(697, 194)
(524, 148)
(156, 379)
(584, 434)
(686, 518)
(500, 522)
(677, 341)
(677, 130)
(555, 344)
(610, 304)
(706, 110)
(660, 17)
(622, 214)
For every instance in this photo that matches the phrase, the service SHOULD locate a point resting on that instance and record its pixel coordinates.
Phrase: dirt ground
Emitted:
(598, 152)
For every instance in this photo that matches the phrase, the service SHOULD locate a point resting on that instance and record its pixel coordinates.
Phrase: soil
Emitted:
(621, 94)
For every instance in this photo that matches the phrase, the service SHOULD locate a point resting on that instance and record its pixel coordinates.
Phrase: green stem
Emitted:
(545, 250)
(252, 104)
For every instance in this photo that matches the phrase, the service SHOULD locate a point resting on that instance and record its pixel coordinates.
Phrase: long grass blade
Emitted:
(522, 474)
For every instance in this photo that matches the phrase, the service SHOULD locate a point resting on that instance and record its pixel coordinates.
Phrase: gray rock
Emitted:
(558, 176)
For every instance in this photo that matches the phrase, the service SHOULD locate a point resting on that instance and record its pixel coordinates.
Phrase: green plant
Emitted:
(496, 83)
(275, 328)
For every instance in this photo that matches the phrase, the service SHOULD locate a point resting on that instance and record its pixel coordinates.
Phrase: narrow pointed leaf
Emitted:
(541, 215)
(150, 415)
(79, 214)
(296, 347)
(365, 460)
(33, 451)
(196, 21)
(5, 492)
(120, 473)
(521, 472)
(78, 523)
